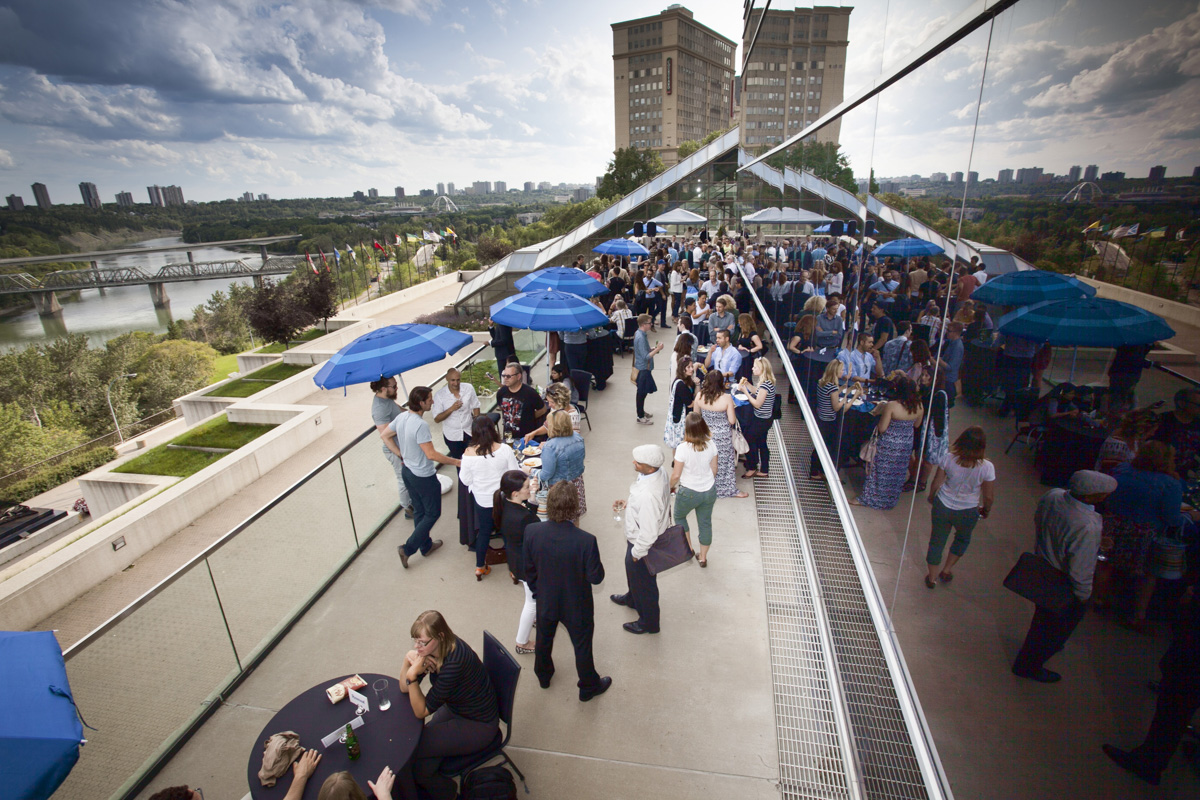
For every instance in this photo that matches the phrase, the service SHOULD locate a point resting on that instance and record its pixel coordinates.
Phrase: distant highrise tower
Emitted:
(671, 79)
(263, 197)
(1091, 173)
(956, 177)
(1005, 176)
(795, 73)
(15, 203)
(41, 196)
(1074, 173)
(972, 178)
(1195, 174)
(449, 188)
(172, 195)
(938, 177)
(91, 197)
(544, 186)
(482, 187)
(124, 199)
(373, 194)
(441, 189)
(247, 197)
(399, 192)
(500, 187)
(529, 186)
(156, 197)
(1158, 173)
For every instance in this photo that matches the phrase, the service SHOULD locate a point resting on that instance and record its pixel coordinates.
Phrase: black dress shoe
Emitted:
(1129, 762)
(544, 683)
(588, 694)
(636, 627)
(622, 599)
(436, 544)
(403, 556)
(1041, 676)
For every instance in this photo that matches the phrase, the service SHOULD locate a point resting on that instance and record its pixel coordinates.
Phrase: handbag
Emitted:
(1035, 579)
(870, 448)
(672, 548)
(740, 445)
(633, 375)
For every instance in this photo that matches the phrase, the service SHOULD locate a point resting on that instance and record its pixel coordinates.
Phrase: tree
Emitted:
(629, 169)
(490, 249)
(823, 159)
(690, 146)
(23, 443)
(274, 313)
(318, 294)
(873, 187)
(169, 369)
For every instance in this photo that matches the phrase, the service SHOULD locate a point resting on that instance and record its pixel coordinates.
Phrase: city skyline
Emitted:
(232, 94)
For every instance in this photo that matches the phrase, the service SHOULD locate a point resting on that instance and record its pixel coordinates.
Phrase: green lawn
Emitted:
(223, 366)
(307, 336)
(219, 432)
(265, 377)
(477, 377)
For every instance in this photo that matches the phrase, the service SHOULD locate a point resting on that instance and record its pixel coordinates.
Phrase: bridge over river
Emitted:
(42, 289)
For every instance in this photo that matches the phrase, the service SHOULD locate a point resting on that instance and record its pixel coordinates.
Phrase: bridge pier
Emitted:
(158, 291)
(46, 303)
(96, 273)
(262, 249)
(258, 281)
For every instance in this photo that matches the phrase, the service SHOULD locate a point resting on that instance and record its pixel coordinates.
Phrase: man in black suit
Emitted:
(562, 563)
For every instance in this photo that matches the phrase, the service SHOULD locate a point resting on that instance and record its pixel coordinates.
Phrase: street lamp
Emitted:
(108, 397)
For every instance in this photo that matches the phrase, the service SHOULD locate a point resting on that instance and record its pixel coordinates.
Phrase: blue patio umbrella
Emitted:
(621, 247)
(40, 731)
(822, 229)
(1086, 322)
(547, 311)
(562, 279)
(907, 248)
(1030, 286)
(387, 351)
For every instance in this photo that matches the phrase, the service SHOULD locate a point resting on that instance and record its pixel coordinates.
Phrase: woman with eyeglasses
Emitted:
(460, 702)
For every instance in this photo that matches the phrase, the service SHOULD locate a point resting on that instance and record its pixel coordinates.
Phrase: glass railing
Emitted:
(149, 677)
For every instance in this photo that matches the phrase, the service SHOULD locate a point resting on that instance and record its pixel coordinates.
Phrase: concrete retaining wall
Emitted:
(30, 592)
(1167, 309)
(249, 362)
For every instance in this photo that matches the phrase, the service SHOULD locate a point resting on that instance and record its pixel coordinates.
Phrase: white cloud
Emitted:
(6, 160)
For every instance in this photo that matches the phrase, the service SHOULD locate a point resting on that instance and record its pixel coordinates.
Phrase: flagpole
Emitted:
(353, 271)
(337, 267)
(407, 260)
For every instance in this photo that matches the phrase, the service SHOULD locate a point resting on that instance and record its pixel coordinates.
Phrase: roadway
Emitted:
(132, 251)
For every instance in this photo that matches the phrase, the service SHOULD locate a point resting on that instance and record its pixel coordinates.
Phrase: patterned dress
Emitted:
(890, 469)
(722, 436)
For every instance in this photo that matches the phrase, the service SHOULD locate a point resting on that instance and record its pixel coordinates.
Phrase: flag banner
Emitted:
(397, 238)
(1156, 233)
(1095, 226)
(412, 238)
(378, 246)
(311, 265)
(1179, 235)
(324, 261)
(451, 231)
(337, 257)
(350, 252)
(1126, 230)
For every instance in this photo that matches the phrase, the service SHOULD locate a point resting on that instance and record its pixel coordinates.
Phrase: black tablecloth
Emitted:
(1069, 445)
(387, 738)
(600, 359)
(978, 373)
(813, 364)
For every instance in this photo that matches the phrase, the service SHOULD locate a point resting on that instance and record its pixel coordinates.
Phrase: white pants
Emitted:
(528, 613)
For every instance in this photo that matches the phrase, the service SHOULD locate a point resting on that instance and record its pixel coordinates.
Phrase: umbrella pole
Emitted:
(1074, 355)
(402, 386)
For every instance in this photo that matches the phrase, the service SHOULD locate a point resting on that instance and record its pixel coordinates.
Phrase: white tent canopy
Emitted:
(785, 216)
(678, 216)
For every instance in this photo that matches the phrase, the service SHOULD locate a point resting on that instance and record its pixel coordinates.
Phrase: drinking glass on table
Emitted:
(382, 701)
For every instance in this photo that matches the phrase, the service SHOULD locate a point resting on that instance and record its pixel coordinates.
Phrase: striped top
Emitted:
(764, 411)
(463, 686)
(825, 411)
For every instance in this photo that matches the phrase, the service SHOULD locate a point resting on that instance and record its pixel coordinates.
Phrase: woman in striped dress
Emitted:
(716, 406)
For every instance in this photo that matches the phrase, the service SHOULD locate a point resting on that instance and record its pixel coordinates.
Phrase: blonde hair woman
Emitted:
(762, 400)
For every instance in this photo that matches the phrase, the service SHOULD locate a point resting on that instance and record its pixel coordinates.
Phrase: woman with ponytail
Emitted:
(512, 514)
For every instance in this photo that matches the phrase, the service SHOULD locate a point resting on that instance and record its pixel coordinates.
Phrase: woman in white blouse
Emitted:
(483, 465)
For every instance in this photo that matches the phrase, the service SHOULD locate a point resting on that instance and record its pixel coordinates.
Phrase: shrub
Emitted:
(447, 318)
(54, 475)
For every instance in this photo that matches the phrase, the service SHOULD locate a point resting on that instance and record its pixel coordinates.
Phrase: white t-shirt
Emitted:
(458, 424)
(697, 472)
(961, 489)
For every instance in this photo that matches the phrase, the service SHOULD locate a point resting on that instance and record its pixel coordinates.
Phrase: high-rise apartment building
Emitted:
(1091, 173)
(529, 186)
(400, 192)
(544, 186)
(247, 197)
(956, 177)
(500, 187)
(91, 197)
(795, 73)
(481, 187)
(441, 189)
(449, 188)
(1074, 173)
(41, 196)
(972, 178)
(125, 199)
(671, 81)
(262, 198)
(15, 202)
(156, 198)
(1005, 176)
(373, 194)
(172, 195)
(938, 177)
(1029, 175)
(1158, 173)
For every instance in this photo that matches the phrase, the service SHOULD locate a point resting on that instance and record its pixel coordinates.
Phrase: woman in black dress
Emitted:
(461, 701)
(749, 345)
(513, 513)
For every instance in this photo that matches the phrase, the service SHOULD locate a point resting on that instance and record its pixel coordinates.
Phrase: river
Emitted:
(124, 308)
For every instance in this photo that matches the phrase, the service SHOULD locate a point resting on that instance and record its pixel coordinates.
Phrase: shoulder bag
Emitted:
(740, 445)
(1035, 579)
(867, 452)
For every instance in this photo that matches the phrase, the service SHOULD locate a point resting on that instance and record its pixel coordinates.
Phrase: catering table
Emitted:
(979, 372)
(387, 739)
(1069, 445)
(813, 363)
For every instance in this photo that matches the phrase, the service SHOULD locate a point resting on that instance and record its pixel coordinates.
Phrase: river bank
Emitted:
(111, 240)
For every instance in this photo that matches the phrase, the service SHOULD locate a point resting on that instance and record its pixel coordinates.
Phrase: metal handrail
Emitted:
(153, 591)
(924, 747)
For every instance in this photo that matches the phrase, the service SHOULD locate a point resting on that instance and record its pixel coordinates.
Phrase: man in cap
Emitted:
(647, 515)
(1068, 538)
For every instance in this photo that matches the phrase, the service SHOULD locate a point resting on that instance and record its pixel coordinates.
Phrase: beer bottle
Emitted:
(352, 748)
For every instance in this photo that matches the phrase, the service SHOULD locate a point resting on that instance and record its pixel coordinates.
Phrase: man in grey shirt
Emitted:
(1068, 538)
(409, 438)
(384, 409)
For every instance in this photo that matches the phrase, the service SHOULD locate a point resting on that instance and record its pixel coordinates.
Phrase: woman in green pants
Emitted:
(694, 480)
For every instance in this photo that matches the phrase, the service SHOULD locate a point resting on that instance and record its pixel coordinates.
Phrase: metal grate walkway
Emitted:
(789, 507)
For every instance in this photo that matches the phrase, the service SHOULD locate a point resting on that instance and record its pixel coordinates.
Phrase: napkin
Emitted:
(279, 751)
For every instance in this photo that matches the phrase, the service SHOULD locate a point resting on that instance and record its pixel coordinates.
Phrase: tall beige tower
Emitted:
(795, 73)
(672, 80)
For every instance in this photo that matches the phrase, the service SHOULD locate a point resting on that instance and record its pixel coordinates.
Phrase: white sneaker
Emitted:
(645, 421)
(649, 415)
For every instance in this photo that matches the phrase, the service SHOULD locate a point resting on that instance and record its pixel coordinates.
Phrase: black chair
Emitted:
(583, 386)
(627, 334)
(504, 671)
(1024, 402)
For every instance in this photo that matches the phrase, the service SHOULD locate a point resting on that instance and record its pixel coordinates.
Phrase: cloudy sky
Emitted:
(322, 97)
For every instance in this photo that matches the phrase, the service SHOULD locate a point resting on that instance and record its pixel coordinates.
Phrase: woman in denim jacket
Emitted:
(562, 457)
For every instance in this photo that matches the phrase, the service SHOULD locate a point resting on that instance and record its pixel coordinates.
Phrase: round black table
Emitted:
(387, 738)
(1068, 446)
(979, 371)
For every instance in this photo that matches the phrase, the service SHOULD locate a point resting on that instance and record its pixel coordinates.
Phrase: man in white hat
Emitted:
(647, 515)
(1068, 538)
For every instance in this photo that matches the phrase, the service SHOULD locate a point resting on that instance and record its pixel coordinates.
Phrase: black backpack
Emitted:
(489, 783)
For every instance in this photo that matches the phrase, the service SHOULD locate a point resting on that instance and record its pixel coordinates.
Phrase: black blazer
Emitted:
(514, 518)
(562, 563)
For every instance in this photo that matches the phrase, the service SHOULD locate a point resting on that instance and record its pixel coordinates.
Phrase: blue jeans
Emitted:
(942, 519)
(426, 494)
(483, 534)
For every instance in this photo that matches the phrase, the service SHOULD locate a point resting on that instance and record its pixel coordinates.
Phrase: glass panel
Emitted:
(372, 484)
(175, 647)
(279, 560)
